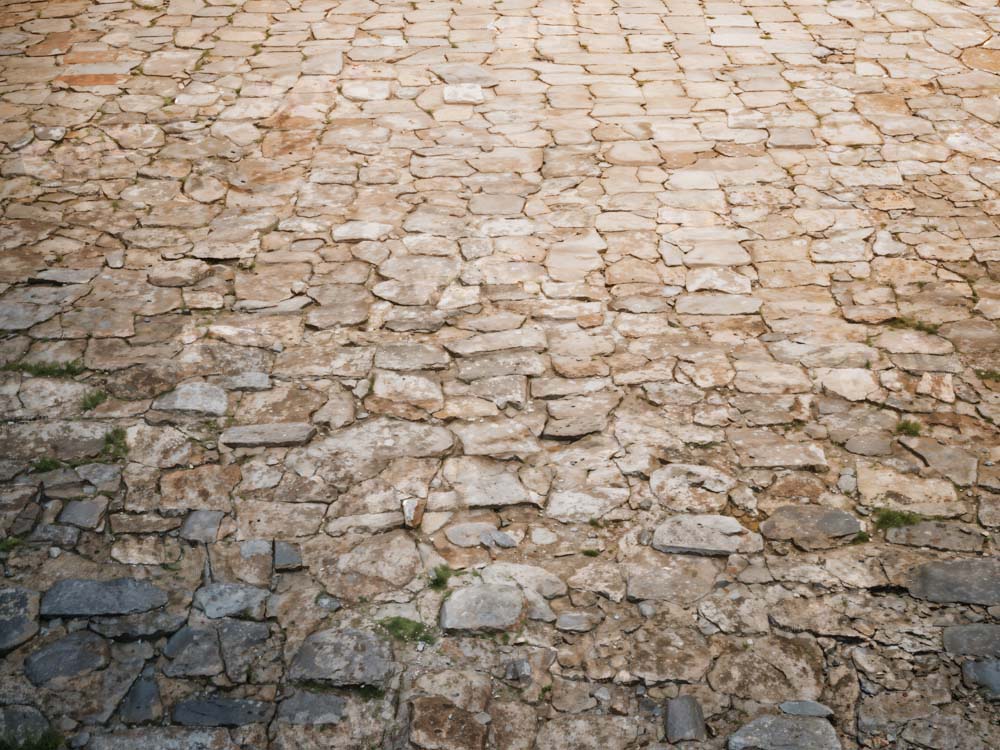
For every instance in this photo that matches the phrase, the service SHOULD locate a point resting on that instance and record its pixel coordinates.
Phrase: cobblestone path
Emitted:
(516, 375)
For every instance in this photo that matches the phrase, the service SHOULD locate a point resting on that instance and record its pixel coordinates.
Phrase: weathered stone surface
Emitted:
(76, 597)
(438, 724)
(76, 654)
(980, 639)
(780, 732)
(485, 607)
(323, 315)
(810, 526)
(973, 581)
(18, 617)
(268, 435)
(685, 720)
(705, 535)
(221, 712)
(343, 656)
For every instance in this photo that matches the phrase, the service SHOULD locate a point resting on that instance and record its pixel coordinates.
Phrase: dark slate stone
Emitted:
(76, 597)
(970, 581)
(194, 652)
(312, 709)
(18, 617)
(231, 600)
(805, 708)
(984, 674)
(343, 656)
(55, 535)
(143, 625)
(287, 556)
(980, 639)
(21, 723)
(221, 712)
(241, 643)
(685, 720)
(86, 514)
(142, 702)
(786, 733)
(955, 537)
(517, 669)
(76, 654)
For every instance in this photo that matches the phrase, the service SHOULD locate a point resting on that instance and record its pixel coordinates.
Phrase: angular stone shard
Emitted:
(685, 720)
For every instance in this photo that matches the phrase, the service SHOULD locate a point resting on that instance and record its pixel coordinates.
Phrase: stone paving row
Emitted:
(517, 375)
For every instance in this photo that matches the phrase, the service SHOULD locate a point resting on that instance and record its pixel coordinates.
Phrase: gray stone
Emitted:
(20, 723)
(231, 600)
(972, 581)
(938, 535)
(142, 702)
(143, 625)
(273, 435)
(786, 733)
(343, 656)
(984, 674)
(165, 738)
(312, 709)
(286, 556)
(74, 655)
(77, 597)
(242, 645)
(194, 652)
(811, 526)
(578, 622)
(979, 639)
(805, 708)
(685, 720)
(221, 712)
(486, 606)
(194, 398)
(202, 526)
(85, 514)
(18, 617)
(247, 381)
(705, 535)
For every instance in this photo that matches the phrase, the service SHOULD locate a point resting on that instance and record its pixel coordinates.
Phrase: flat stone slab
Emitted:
(811, 526)
(76, 654)
(971, 581)
(76, 597)
(343, 656)
(978, 639)
(484, 607)
(221, 712)
(705, 535)
(277, 435)
(786, 733)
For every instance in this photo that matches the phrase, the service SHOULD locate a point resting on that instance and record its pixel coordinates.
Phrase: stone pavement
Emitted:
(524, 375)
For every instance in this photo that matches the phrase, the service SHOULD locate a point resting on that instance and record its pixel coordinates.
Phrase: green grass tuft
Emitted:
(93, 400)
(405, 629)
(47, 369)
(47, 740)
(439, 577)
(988, 374)
(9, 545)
(46, 463)
(370, 692)
(916, 325)
(115, 443)
(861, 537)
(885, 518)
(908, 427)
(591, 552)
